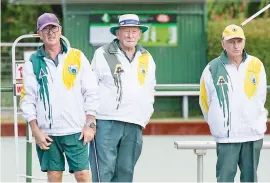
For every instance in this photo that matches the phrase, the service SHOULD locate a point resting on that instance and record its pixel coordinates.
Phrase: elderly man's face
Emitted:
(50, 35)
(129, 36)
(234, 47)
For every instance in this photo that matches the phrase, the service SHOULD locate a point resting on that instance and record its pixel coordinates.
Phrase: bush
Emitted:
(257, 41)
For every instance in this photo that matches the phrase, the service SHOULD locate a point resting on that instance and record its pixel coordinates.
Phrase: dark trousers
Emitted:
(119, 146)
(246, 155)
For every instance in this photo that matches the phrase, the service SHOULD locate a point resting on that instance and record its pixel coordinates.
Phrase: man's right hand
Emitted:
(42, 139)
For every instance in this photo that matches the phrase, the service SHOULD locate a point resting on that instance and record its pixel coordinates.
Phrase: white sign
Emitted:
(100, 35)
(19, 69)
(27, 55)
(20, 64)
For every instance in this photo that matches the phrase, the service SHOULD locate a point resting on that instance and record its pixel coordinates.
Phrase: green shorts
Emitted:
(54, 160)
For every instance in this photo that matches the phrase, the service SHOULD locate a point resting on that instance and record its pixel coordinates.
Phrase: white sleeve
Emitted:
(89, 87)
(262, 88)
(152, 79)
(204, 99)
(94, 64)
(29, 93)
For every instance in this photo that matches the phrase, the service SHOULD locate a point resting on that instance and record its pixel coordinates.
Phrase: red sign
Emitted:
(19, 89)
(19, 69)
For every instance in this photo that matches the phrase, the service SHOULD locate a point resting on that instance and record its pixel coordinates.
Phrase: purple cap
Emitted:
(47, 19)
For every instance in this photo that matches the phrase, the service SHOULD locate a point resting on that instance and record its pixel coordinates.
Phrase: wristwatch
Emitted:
(91, 125)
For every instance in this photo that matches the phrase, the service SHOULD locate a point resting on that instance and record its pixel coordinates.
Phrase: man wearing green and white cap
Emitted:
(232, 97)
(126, 77)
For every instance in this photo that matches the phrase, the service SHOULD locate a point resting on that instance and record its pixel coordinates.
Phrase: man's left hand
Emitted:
(87, 134)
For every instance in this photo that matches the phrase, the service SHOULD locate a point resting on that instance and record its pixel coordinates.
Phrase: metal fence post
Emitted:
(185, 107)
(29, 153)
(200, 153)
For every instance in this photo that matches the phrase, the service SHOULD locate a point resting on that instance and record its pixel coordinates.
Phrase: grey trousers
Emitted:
(119, 146)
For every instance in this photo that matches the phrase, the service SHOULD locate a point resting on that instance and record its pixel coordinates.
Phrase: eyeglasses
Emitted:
(53, 29)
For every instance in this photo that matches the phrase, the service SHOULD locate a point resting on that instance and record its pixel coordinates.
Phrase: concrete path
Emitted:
(159, 162)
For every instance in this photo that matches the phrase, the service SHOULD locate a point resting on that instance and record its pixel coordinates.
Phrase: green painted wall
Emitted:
(181, 64)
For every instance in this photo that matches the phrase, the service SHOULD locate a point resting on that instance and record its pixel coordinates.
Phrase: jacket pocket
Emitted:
(255, 117)
(259, 125)
(42, 120)
(146, 110)
(108, 100)
(216, 122)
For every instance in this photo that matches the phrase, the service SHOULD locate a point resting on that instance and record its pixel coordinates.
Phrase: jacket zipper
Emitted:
(51, 121)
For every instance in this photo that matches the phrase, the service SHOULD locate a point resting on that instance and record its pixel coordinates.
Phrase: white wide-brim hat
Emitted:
(128, 20)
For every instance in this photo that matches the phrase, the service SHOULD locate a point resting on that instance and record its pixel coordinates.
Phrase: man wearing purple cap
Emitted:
(59, 101)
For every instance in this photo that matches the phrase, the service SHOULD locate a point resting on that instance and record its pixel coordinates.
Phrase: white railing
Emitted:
(200, 149)
(21, 44)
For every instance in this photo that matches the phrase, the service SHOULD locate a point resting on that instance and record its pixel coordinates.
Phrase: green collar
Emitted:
(41, 50)
(225, 60)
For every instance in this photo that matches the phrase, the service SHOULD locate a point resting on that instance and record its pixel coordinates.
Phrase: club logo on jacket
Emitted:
(118, 69)
(42, 74)
(221, 81)
(73, 69)
(142, 70)
(253, 79)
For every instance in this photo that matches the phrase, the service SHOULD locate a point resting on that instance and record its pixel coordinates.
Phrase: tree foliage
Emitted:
(220, 10)
(17, 20)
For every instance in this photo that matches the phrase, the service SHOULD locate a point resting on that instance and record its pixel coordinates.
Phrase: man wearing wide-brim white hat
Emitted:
(126, 76)
(128, 20)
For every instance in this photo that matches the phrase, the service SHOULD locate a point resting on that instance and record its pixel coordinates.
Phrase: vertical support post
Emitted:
(185, 107)
(28, 153)
(199, 168)
(64, 12)
(15, 117)
(200, 153)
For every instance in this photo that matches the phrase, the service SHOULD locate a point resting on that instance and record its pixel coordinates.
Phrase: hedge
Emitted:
(257, 34)
(257, 43)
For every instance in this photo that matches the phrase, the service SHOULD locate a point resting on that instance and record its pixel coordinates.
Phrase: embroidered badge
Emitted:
(118, 69)
(253, 79)
(42, 74)
(221, 81)
(73, 69)
(142, 70)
